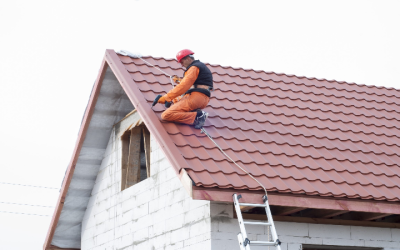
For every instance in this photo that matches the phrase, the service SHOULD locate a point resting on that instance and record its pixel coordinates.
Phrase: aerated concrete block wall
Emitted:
(294, 235)
(156, 213)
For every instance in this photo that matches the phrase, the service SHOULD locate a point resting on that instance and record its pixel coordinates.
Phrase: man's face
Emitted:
(186, 62)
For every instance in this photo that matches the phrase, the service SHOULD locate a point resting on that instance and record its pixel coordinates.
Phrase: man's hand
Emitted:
(176, 79)
(161, 100)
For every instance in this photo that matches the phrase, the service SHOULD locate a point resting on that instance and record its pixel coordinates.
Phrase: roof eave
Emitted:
(304, 201)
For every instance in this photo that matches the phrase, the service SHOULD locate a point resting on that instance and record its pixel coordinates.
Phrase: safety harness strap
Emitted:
(203, 91)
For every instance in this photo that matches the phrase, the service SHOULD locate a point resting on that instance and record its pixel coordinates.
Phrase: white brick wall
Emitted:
(293, 235)
(156, 213)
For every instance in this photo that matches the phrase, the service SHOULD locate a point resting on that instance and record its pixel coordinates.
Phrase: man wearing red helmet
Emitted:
(196, 86)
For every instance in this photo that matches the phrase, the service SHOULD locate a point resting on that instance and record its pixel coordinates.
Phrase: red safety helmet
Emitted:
(181, 54)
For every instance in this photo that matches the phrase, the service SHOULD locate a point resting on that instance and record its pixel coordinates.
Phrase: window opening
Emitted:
(135, 160)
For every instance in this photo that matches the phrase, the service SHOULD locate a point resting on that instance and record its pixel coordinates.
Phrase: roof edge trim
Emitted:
(78, 146)
(186, 182)
(150, 119)
(216, 194)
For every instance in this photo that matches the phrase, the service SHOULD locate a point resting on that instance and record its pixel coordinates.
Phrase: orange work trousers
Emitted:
(182, 111)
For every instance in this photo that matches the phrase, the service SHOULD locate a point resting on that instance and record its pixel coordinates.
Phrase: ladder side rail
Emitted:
(240, 219)
(273, 230)
(240, 239)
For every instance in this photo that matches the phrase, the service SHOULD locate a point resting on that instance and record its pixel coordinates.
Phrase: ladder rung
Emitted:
(252, 205)
(265, 243)
(257, 223)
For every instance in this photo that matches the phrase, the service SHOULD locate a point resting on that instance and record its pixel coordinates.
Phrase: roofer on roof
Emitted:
(195, 85)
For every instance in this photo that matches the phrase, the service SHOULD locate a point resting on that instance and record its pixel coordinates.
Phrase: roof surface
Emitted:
(294, 134)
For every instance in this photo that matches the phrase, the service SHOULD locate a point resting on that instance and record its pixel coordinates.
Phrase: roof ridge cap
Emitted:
(309, 78)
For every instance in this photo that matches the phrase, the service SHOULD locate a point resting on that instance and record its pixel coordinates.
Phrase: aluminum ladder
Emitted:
(244, 242)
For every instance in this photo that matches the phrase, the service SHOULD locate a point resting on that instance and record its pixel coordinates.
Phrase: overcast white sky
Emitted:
(52, 51)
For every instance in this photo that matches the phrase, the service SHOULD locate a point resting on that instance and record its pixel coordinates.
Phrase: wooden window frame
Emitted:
(131, 155)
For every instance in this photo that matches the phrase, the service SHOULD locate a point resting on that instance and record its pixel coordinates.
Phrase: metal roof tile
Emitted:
(295, 134)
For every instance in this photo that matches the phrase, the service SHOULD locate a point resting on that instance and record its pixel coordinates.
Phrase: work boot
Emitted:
(200, 120)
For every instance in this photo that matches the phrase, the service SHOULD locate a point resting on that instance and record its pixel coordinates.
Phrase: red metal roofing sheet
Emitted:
(295, 134)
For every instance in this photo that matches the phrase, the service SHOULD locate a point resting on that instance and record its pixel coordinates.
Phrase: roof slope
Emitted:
(295, 134)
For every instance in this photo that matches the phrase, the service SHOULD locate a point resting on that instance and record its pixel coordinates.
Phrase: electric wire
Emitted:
(20, 204)
(16, 184)
(23, 213)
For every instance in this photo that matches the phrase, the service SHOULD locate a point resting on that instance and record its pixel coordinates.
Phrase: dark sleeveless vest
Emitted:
(204, 78)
